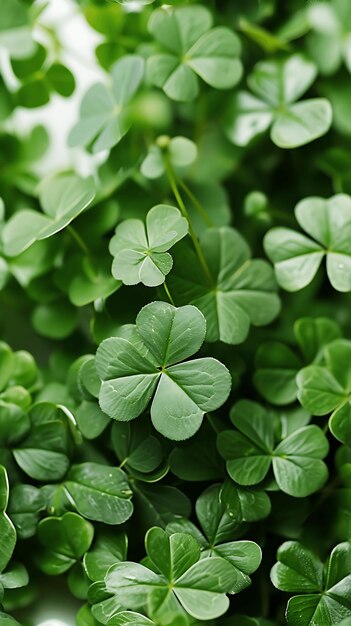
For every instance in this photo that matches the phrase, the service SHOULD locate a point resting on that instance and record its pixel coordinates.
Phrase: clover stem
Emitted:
(178, 197)
(168, 293)
(198, 206)
(212, 423)
(81, 243)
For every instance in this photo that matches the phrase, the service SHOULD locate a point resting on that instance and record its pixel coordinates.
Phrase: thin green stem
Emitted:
(168, 293)
(198, 206)
(212, 423)
(178, 197)
(78, 239)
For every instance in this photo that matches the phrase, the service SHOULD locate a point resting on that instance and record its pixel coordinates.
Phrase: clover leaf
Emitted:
(277, 364)
(63, 197)
(104, 116)
(136, 448)
(148, 364)
(297, 258)
(191, 49)
(140, 252)
(251, 450)
(25, 505)
(243, 290)
(180, 151)
(65, 540)
(108, 548)
(179, 581)
(326, 388)
(15, 34)
(329, 43)
(326, 598)
(276, 88)
(99, 492)
(219, 527)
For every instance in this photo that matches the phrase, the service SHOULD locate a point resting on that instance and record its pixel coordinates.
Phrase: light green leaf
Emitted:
(63, 197)
(104, 118)
(140, 254)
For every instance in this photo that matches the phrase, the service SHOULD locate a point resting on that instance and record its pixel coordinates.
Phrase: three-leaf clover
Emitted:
(148, 363)
(326, 388)
(63, 197)
(176, 582)
(180, 151)
(326, 590)
(104, 113)
(243, 291)
(251, 450)
(276, 85)
(329, 43)
(297, 258)
(218, 528)
(192, 49)
(140, 251)
(277, 363)
(65, 540)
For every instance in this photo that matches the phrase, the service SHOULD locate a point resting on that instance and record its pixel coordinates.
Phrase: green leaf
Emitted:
(43, 454)
(99, 492)
(7, 530)
(177, 558)
(63, 197)
(135, 446)
(55, 321)
(61, 79)
(65, 540)
(104, 118)
(140, 254)
(243, 290)
(180, 151)
(108, 548)
(183, 392)
(192, 50)
(25, 506)
(327, 600)
(276, 90)
(251, 450)
(297, 258)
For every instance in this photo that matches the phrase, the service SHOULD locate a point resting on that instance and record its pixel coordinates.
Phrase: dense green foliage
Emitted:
(177, 451)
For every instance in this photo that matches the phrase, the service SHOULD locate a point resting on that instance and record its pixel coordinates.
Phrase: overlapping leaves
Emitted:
(243, 290)
(191, 50)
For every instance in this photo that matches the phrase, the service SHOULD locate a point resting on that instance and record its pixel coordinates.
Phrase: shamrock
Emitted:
(65, 540)
(177, 581)
(251, 450)
(326, 388)
(277, 84)
(192, 50)
(63, 197)
(277, 363)
(147, 363)
(297, 258)
(329, 43)
(180, 151)
(326, 589)
(25, 505)
(140, 253)
(218, 530)
(242, 292)
(104, 112)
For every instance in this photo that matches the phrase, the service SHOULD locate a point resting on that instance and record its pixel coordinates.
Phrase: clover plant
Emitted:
(175, 321)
